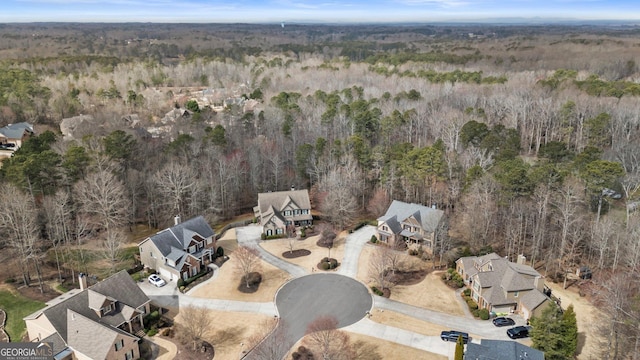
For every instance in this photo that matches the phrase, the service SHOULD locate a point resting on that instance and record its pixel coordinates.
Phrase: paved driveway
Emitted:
(304, 299)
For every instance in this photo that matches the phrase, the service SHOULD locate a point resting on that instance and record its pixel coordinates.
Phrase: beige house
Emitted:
(280, 209)
(93, 323)
(181, 251)
(411, 223)
(503, 287)
(12, 136)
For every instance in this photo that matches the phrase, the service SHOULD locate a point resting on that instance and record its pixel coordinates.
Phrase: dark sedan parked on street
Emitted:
(503, 321)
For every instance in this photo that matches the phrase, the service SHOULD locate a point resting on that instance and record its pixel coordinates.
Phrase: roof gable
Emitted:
(280, 199)
(501, 350)
(426, 217)
(175, 236)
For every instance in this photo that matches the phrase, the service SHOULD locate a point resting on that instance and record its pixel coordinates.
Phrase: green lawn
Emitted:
(17, 307)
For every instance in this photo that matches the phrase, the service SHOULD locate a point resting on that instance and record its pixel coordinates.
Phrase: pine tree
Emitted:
(569, 332)
(555, 333)
(459, 349)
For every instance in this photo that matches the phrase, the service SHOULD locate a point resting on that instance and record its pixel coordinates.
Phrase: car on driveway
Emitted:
(156, 280)
(452, 335)
(503, 321)
(518, 332)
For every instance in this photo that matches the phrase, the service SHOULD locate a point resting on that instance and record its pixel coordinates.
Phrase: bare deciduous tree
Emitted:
(18, 222)
(247, 261)
(268, 342)
(178, 184)
(379, 265)
(112, 245)
(103, 196)
(195, 323)
(323, 335)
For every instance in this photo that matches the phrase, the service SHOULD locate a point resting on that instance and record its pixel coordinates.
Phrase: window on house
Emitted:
(192, 249)
(209, 240)
(119, 344)
(384, 228)
(129, 355)
(279, 231)
(515, 294)
(151, 254)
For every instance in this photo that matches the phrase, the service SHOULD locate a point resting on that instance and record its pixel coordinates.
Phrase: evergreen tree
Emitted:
(555, 333)
(459, 355)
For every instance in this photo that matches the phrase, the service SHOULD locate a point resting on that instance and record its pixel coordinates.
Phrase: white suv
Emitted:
(156, 280)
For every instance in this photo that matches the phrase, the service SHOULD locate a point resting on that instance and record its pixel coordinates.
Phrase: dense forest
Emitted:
(527, 136)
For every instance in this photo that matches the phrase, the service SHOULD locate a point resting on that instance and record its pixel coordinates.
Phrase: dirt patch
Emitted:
(33, 292)
(296, 253)
(186, 351)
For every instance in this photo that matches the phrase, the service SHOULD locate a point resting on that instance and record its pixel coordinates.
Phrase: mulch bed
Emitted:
(408, 277)
(295, 253)
(204, 350)
(254, 283)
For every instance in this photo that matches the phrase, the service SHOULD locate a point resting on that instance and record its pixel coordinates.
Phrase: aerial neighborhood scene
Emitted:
(311, 180)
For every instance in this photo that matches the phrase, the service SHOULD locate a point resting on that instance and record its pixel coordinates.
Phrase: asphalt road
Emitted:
(304, 299)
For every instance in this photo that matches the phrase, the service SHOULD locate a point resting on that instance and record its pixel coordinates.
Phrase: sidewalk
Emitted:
(432, 344)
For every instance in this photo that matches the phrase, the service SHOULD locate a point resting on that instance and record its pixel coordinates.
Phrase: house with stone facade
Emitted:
(94, 322)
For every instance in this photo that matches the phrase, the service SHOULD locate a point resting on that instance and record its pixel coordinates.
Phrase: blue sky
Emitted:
(267, 11)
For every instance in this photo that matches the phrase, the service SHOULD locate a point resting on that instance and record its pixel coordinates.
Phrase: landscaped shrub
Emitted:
(484, 314)
(472, 304)
(180, 282)
(152, 331)
(453, 279)
(302, 354)
(467, 292)
(374, 239)
(303, 233)
(220, 251)
(263, 236)
(253, 278)
(377, 291)
(323, 265)
(476, 313)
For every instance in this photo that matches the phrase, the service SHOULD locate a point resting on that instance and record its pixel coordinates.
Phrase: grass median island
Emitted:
(17, 306)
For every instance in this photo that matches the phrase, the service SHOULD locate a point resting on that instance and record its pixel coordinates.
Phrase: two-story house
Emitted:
(280, 209)
(502, 286)
(411, 223)
(93, 323)
(12, 136)
(181, 251)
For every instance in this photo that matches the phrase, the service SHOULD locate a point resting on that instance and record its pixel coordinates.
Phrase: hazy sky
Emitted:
(209, 11)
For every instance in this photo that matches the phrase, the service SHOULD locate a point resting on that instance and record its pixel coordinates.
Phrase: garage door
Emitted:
(166, 274)
(502, 310)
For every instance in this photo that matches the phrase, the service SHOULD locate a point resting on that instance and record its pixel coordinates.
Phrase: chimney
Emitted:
(176, 220)
(82, 279)
(522, 260)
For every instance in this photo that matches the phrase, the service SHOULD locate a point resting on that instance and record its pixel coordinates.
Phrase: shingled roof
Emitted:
(400, 211)
(89, 337)
(179, 236)
(273, 203)
(16, 131)
(501, 350)
(119, 286)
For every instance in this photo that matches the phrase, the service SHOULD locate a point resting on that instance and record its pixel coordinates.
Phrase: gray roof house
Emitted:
(181, 251)
(501, 350)
(279, 209)
(502, 286)
(409, 222)
(12, 136)
(96, 322)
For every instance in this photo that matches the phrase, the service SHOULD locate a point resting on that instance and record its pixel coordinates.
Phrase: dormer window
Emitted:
(107, 309)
